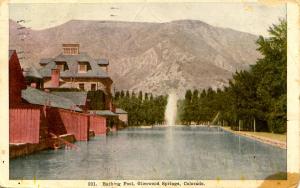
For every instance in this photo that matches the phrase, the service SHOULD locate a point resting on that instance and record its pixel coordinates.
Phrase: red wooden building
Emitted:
(36, 115)
(24, 119)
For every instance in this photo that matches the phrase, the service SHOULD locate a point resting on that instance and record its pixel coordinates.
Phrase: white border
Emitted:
(293, 141)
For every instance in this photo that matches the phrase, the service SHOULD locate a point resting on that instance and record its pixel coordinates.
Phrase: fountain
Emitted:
(171, 109)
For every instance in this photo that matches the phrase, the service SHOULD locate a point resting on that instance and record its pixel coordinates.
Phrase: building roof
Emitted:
(103, 112)
(72, 67)
(71, 45)
(102, 61)
(45, 61)
(78, 97)
(39, 97)
(32, 73)
(120, 111)
(11, 53)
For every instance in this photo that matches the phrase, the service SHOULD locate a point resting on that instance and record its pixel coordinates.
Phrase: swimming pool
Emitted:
(177, 152)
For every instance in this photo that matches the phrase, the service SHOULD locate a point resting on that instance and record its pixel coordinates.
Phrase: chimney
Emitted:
(70, 49)
(55, 75)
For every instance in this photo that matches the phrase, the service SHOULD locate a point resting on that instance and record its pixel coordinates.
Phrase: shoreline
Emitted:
(269, 141)
(261, 139)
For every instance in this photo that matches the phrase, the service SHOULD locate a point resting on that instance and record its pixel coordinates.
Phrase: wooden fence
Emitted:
(67, 122)
(31, 123)
(98, 124)
(24, 124)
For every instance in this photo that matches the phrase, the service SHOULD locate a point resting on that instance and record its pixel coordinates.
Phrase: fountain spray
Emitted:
(171, 109)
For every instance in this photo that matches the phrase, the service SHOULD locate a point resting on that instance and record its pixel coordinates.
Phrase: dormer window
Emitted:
(83, 67)
(61, 66)
(103, 64)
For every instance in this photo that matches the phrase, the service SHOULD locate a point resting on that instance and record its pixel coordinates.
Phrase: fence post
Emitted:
(254, 125)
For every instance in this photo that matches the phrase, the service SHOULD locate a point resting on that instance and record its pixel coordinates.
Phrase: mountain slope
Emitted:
(153, 57)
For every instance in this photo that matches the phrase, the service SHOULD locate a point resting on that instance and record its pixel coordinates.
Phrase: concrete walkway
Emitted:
(258, 138)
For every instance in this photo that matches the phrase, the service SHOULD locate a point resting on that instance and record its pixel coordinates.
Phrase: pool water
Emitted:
(177, 152)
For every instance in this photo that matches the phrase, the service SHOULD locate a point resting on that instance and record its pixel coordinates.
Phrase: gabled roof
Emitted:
(39, 97)
(102, 61)
(78, 97)
(103, 112)
(72, 64)
(31, 72)
(120, 111)
(10, 53)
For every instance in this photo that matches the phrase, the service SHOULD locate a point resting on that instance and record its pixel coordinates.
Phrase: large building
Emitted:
(41, 119)
(75, 69)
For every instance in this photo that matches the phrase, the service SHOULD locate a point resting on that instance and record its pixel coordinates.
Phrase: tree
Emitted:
(117, 95)
(122, 94)
(127, 95)
(195, 111)
(133, 95)
(271, 70)
(142, 112)
(140, 96)
(96, 100)
(256, 96)
(146, 96)
(187, 116)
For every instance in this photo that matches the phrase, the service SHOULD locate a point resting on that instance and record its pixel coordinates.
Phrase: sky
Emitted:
(247, 17)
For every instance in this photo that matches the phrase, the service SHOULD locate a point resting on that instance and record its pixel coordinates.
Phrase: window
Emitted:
(67, 51)
(81, 86)
(60, 67)
(74, 51)
(71, 50)
(82, 68)
(93, 87)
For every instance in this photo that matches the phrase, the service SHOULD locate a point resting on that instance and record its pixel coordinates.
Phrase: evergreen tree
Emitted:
(195, 108)
(146, 96)
(142, 112)
(117, 95)
(127, 95)
(133, 95)
(271, 70)
(140, 95)
(122, 94)
(187, 117)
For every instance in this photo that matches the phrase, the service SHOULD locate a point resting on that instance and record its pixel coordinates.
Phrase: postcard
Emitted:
(150, 94)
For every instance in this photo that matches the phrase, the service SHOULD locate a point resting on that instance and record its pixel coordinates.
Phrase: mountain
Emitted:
(152, 57)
